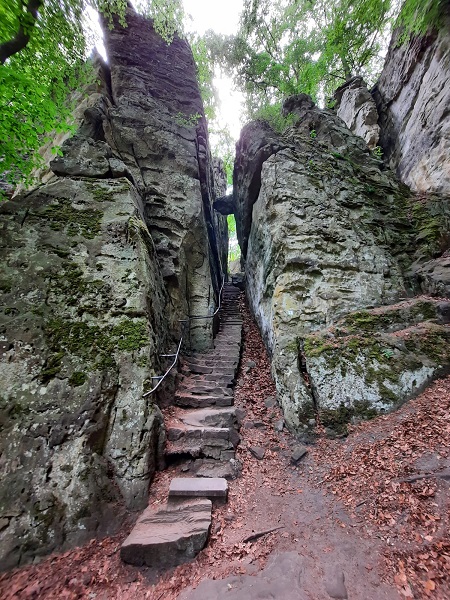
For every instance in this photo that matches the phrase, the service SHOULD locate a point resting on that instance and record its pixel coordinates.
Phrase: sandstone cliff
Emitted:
(325, 231)
(413, 96)
(99, 265)
(406, 113)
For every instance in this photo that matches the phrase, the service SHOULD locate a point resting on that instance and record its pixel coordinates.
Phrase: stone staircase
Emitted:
(202, 435)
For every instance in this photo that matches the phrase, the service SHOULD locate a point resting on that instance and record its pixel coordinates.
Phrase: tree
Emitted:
(311, 46)
(43, 51)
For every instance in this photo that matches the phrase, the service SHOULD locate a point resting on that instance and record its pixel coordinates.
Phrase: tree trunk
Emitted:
(22, 37)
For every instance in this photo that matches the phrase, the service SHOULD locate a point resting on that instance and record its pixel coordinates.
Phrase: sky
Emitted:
(221, 16)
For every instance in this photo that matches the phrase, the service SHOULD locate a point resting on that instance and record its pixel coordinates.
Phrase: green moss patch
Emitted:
(61, 215)
(339, 419)
(94, 346)
(71, 284)
(379, 360)
(77, 378)
(367, 321)
(431, 221)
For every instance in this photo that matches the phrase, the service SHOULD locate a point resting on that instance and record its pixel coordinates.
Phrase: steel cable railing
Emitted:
(175, 356)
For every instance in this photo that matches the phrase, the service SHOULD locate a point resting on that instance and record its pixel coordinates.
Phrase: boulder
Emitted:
(371, 361)
(224, 205)
(433, 276)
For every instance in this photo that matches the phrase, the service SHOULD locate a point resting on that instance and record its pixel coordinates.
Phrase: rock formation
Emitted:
(406, 113)
(99, 265)
(413, 96)
(356, 107)
(326, 231)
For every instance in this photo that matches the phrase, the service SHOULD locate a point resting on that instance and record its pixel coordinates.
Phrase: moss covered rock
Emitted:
(80, 341)
(371, 361)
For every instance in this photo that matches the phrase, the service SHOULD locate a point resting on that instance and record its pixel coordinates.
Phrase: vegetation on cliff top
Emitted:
(312, 47)
(43, 50)
(281, 48)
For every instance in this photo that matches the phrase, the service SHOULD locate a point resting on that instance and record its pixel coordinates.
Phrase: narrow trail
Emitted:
(318, 548)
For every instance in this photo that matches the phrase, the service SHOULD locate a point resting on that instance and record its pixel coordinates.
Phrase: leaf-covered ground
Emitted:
(394, 473)
(374, 506)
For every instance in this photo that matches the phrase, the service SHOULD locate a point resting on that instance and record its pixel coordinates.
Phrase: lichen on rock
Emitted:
(371, 361)
(331, 233)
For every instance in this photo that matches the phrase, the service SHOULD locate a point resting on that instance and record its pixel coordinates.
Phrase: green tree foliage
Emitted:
(223, 146)
(43, 56)
(205, 74)
(312, 46)
(43, 51)
(234, 251)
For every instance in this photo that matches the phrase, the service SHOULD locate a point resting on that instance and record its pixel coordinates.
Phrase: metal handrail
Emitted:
(162, 377)
(217, 309)
(190, 317)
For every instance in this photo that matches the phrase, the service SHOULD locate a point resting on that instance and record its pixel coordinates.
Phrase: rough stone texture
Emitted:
(329, 232)
(169, 536)
(99, 264)
(225, 205)
(373, 360)
(357, 108)
(257, 142)
(85, 105)
(194, 487)
(413, 96)
(298, 453)
(220, 221)
(433, 276)
(79, 340)
(282, 579)
(159, 130)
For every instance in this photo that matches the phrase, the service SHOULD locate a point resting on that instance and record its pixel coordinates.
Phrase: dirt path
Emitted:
(335, 552)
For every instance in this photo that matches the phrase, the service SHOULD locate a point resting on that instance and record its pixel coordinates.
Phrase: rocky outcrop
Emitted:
(99, 265)
(257, 143)
(356, 107)
(329, 233)
(80, 341)
(413, 96)
(373, 360)
(159, 130)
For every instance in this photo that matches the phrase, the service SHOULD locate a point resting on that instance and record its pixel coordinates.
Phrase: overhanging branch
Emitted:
(22, 37)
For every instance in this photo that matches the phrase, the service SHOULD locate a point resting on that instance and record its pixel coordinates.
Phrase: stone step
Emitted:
(211, 359)
(224, 354)
(169, 536)
(207, 467)
(219, 380)
(200, 401)
(198, 487)
(228, 339)
(204, 389)
(206, 435)
(193, 371)
(210, 417)
(218, 448)
(196, 368)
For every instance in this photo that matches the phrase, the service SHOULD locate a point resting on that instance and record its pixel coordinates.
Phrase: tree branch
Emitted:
(22, 37)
